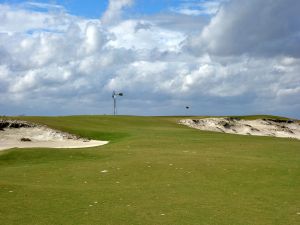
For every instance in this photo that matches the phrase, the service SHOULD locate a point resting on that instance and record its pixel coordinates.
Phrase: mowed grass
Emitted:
(158, 173)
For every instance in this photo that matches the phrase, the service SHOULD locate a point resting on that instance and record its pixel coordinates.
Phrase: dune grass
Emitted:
(152, 172)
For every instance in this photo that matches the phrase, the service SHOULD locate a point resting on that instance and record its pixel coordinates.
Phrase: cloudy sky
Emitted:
(220, 57)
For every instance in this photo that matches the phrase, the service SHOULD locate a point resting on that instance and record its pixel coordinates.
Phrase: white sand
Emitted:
(258, 127)
(42, 137)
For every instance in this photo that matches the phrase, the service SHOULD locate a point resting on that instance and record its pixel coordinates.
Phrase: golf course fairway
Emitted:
(153, 172)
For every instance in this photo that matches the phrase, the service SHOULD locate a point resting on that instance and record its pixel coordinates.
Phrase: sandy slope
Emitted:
(42, 136)
(260, 127)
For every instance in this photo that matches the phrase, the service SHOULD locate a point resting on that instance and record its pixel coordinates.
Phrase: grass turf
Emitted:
(158, 173)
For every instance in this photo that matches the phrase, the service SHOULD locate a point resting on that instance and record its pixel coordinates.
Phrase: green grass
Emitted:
(155, 167)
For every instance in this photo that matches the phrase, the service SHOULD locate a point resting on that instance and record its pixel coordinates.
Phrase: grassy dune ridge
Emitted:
(158, 172)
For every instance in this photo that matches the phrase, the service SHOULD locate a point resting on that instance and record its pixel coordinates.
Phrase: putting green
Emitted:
(152, 172)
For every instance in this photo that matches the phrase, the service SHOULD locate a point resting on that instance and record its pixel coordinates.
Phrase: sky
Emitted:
(219, 57)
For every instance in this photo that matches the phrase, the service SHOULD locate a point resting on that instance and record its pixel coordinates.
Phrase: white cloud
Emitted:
(20, 19)
(196, 8)
(133, 34)
(94, 38)
(114, 11)
(57, 63)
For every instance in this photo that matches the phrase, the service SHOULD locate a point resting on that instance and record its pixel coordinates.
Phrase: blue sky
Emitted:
(95, 8)
(216, 56)
(89, 9)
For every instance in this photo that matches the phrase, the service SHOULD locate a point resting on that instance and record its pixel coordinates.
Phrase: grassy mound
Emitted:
(154, 171)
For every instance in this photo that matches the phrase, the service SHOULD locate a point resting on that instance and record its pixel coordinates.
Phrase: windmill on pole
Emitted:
(114, 96)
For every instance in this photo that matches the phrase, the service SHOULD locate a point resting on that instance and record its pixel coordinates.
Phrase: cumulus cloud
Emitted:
(52, 62)
(138, 35)
(114, 11)
(22, 18)
(252, 27)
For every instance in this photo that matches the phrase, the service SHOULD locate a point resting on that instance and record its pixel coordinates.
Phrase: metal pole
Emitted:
(114, 98)
(115, 105)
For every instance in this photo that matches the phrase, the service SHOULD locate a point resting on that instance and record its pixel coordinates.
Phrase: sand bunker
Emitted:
(22, 134)
(260, 127)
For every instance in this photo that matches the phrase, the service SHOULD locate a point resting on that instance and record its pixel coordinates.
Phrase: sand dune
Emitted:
(21, 134)
(259, 127)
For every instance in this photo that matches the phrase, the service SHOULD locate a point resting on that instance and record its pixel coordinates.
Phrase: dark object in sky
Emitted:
(25, 139)
(187, 107)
